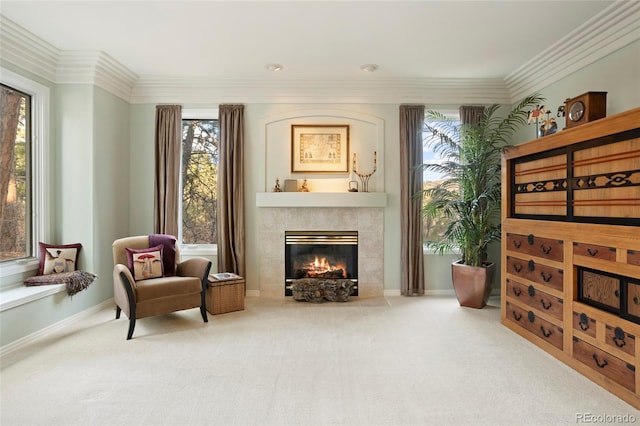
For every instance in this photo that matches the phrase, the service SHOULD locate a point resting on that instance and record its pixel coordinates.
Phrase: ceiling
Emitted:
(313, 40)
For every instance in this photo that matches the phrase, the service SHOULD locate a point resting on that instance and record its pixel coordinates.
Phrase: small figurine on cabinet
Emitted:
(277, 187)
(304, 187)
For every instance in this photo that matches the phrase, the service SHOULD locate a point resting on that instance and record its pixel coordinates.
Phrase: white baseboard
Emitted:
(20, 343)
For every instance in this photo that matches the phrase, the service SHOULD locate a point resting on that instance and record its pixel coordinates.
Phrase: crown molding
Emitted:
(612, 29)
(150, 90)
(97, 68)
(26, 50)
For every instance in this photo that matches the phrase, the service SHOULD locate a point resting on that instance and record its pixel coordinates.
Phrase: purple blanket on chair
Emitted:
(168, 252)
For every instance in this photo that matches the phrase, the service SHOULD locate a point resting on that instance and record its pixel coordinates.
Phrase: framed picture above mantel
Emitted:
(319, 148)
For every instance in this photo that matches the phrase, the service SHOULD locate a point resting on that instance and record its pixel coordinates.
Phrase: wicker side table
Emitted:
(225, 293)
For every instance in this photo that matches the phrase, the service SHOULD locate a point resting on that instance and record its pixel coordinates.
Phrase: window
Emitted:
(433, 227)
(23, 174)
(199, 176)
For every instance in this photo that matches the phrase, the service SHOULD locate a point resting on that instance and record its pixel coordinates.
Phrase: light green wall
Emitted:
(90, 172)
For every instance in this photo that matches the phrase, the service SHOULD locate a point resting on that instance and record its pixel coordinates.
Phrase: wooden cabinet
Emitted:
(571, 248)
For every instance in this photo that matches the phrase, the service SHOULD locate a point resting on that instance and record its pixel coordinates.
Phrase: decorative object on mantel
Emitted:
(319, 148)
(534, 116)
(353, 186)
(75, 281)
(318, 290)
(364, 178)
(290, 185)
(277, 187)
(304, 187)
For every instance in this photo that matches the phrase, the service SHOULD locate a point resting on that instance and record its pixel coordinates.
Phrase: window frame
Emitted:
(40, 169)
(194, 249)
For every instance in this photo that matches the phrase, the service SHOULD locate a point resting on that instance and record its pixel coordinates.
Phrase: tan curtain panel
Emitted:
(167, 159)
(412, 271)
(231, 236)
(471, 114)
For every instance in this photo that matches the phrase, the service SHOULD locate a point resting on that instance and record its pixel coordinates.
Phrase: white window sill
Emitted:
(21, 294)
(198, 250)
(19, 266)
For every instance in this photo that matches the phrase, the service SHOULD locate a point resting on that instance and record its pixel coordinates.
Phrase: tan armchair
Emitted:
(157, 296)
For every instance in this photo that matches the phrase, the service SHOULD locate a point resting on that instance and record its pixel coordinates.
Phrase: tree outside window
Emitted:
(433, 227)
(199, 173)
(14, 174)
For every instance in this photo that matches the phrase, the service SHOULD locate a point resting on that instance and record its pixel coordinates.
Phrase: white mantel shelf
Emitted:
(321, 199)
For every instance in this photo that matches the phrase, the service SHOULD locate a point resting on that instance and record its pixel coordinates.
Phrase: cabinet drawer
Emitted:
(633, 257)
(535, 246)
(599, 289)
(595, 251)
(633, 300)
(584, 324)
(535, 298)
(617, 338)
(536, 272)
(606, 364)
(530, 322)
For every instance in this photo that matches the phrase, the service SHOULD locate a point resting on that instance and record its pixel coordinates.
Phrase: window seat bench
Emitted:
(20, 294)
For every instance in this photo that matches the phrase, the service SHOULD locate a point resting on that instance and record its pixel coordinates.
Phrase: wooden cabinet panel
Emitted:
(530, 270)
(535, 298)
(532, 245)
(633, 257)
(633, 299)
(617, 338)
(595, 251)
(584, 324)
(606, 364)
(541, 186)
(534, 324)
(600, 288)
(606, 180)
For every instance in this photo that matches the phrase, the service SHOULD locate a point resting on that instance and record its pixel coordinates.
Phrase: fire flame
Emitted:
(320, 266)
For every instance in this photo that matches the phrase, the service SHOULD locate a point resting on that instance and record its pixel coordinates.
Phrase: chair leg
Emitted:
(132, 325)
(203, 311)
(118, 310)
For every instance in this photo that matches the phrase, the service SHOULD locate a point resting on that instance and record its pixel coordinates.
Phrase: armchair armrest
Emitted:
(124, 289)
(194, 267)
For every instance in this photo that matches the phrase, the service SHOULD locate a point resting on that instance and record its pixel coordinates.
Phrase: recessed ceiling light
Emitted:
(273, 67)
(369, 67)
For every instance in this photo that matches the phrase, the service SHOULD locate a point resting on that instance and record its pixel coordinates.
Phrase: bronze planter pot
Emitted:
(472, 284)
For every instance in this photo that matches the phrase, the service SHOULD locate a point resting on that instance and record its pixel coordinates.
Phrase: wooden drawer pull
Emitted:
(584, 322)
(545, 250)
(545, 333)
(517, 267)
(516, 315)
(602, 364)
(546, 278)
(547, 306)
(517, 291)
(517, 244)
(592, 253)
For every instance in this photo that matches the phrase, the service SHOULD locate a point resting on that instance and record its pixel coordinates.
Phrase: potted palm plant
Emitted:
(469, 194)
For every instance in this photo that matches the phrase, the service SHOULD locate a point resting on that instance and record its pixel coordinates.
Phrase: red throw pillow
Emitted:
(145, 263)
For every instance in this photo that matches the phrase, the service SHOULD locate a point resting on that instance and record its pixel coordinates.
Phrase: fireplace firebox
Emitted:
(321, 255)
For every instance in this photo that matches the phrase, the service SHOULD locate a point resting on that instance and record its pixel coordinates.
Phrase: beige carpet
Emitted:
(393, 361)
